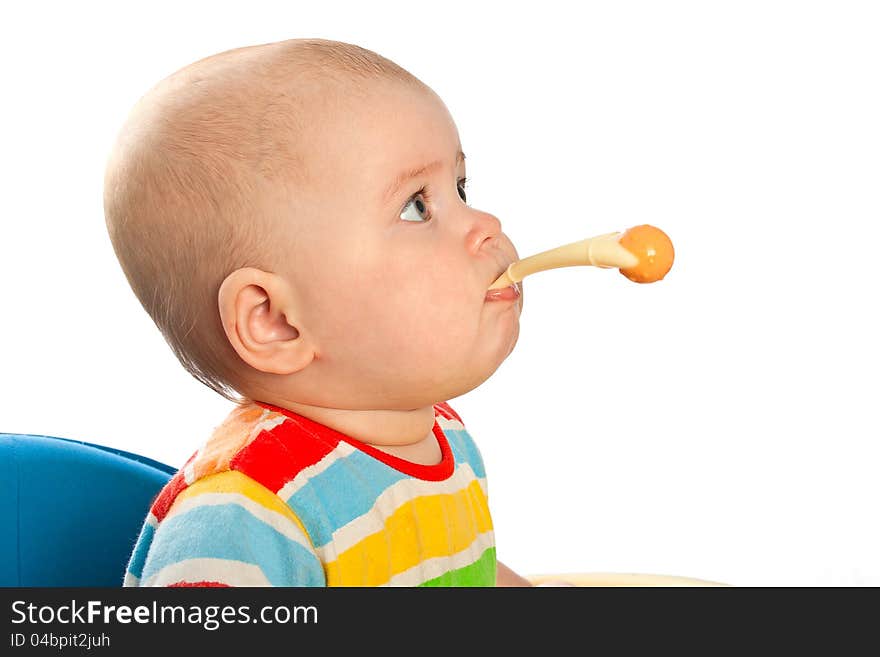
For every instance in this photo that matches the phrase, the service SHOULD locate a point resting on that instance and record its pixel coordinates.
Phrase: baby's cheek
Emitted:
(421, 326)
(413, 308)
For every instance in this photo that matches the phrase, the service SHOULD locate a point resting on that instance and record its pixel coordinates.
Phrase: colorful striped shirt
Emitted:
(276, 499)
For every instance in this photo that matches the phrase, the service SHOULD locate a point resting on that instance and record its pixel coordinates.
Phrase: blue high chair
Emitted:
(71, 511)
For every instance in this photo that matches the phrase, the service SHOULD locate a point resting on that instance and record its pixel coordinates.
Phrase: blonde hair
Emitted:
(186, 182)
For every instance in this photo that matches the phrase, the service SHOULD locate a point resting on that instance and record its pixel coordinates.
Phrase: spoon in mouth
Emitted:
(643, 254)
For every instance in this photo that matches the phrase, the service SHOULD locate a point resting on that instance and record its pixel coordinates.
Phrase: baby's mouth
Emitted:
(509, 293)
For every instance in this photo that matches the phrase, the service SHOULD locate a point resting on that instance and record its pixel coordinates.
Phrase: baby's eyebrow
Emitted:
(409, 174)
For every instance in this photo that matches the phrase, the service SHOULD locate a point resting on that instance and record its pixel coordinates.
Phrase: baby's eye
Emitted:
(416, 201)
(421, 198)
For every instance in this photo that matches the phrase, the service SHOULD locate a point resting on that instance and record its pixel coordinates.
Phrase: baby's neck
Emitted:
(406, 434)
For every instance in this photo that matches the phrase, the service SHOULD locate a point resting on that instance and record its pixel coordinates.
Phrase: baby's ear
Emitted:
(258, 317)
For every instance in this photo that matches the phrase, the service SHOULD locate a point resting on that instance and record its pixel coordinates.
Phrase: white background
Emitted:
(719, 424)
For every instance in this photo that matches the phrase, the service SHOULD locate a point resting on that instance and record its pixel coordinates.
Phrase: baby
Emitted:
(293, 217)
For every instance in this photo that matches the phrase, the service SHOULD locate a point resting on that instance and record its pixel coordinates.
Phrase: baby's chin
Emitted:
(449, 387)
(482, 367)
(478, 377)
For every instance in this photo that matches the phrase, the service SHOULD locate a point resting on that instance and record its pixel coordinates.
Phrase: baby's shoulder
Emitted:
(244, 427)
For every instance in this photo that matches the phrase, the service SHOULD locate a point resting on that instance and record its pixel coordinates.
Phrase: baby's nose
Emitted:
(485, 232)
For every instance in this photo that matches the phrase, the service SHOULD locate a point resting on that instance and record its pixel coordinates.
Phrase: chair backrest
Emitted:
(70, 511)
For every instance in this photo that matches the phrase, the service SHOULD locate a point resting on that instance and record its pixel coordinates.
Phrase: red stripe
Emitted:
(213, 585)
(167, 495)
(277, 455)
(437, 472)
(447, 412)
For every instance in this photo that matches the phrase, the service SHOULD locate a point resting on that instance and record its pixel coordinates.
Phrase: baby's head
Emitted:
(293, 218)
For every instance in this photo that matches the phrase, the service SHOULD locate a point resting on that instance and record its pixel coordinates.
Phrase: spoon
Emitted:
(643, 254)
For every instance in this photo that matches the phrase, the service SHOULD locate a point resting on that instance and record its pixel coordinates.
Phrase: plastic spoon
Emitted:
(644, 254)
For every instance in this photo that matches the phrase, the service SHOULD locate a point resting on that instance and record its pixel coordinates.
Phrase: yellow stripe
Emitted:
(233, 481)
(420, 529)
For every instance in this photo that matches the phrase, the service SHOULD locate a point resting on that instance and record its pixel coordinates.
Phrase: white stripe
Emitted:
(130, 580)
(189, 470)
(225, 571)
(452, 424)
(391, 499)
(265, 423)
(342, 450)
(432, 568)
(277, 521)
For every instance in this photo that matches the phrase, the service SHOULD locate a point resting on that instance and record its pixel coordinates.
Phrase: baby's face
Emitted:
(392, 280)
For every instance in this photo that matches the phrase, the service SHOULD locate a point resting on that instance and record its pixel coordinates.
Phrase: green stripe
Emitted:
(481, 572)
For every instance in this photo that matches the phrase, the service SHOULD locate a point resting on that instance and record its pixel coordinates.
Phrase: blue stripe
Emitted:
(349, 487)
(229, 531)
(464, 449)
(139, 555)
(346, 490)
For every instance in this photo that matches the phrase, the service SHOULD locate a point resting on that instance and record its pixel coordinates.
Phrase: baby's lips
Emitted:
(509, 293)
